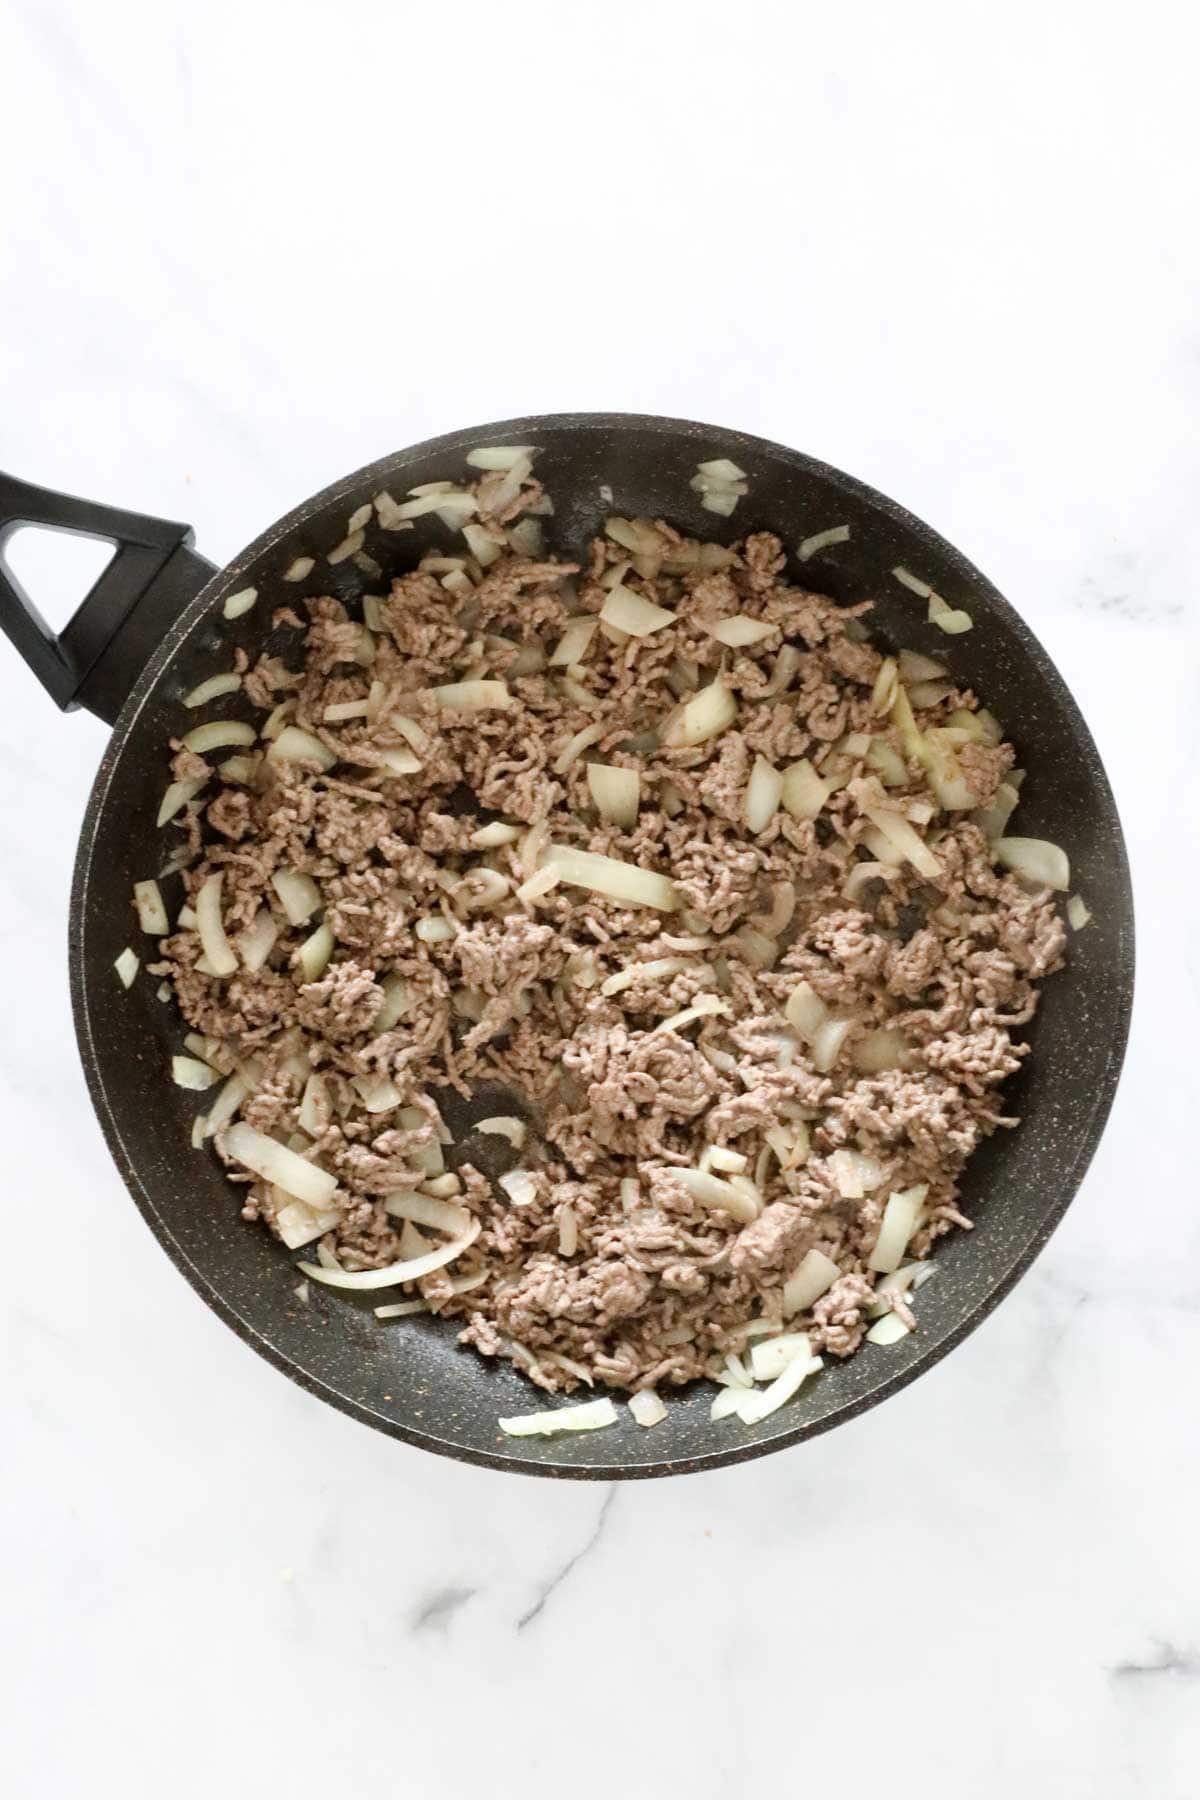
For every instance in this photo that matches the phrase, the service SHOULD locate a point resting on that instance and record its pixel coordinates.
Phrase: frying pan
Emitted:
(152, 627)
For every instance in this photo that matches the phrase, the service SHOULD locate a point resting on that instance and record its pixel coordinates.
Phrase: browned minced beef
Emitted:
(658, 1286)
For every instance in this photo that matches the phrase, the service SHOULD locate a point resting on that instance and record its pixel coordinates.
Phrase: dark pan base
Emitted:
(410, 1378)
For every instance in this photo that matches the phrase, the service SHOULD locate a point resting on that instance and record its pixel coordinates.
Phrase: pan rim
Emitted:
(225, 579)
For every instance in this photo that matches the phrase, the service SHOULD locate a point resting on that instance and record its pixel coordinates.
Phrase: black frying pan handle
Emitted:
(99, 654)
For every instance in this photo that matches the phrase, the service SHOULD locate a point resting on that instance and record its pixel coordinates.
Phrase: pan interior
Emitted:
(410, 1377)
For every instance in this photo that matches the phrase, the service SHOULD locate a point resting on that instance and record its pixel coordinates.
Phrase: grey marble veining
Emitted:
(957, 259)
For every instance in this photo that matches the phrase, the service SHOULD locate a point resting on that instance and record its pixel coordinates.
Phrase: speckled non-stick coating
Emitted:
(409, 1377)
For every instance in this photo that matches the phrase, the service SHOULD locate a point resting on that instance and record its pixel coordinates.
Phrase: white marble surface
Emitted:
(952, 249)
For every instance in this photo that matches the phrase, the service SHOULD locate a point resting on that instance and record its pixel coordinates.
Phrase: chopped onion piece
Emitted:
(298, 894)
(216, 734)
(273, 1162)
(827, 1042)
(705, 1007)
(730, 1162)
(821, 540)
(568, 1231)
(295, 745)
(313, 1114)
(803, 793)
(608, 875)
(473, 696)
(314, 954)
(763, 792)
(740, 630)
(190, 1072)
(434, 928)
(899, 1221)
(574, 747)
(236, 1089)
(433, 487)
(395, 1003)
(712, 1192)
(298, 1224)
(213, 688)
(616, 792)
(654, 970)
(949, 619)
(770, 1357)
(424, 1209)
(1077, 913)
(815, 1276)
(241, 769)
(398, 762)
(240, 603)
(888, 1330)
(395, 1273)
(297, 570)
(481, 544)
(177, 796)
(503, 1125)
(490, 837)
(726, 1402)
(633, 613)
(349, 546)
(519, 1185)
(278, 717)
(591, 1415)
(573, 644)
(914, 667)
(900, 834)
(705, 715)
(912, 582)
(721, 469)
(453, 506)
(402, 1309)
(647, 1408)
(756, 1407)
(152, 914)
(346, 709)
(879, 1050)
(854, 1174)
(720, 500)
(540, 883)
(209, 924)
(127, 966)
(1036, 859)
(805, 1011)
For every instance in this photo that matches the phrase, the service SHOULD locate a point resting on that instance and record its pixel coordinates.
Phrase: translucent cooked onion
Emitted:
(814, 1276)
(505, 1125)
(763, 792)
(212, 689)
(572, 646)
(190, 1072)
(299, 895)
(707, 1006)
(273, 1162)
(822, 540)
(151, 913)
(615, 792)
(720, 500)
(211, 927)
(395, 1273)
(647, 1408)
(297, 570)
(888, 1330)
(401, 1309)
(721, 469)
(127, 966)
(657, 969)
(508, 489)
(423, 1209)
(633, 613)
(296, 746)
(240, 603)
(217, 734)
(711, 1191)
(434, 928)
(805, 1011)
(1077, 913)
(278, 717)
(314, 953)
(490, 837)
(608, 875)
(783, 906)
(879, 1050)
(238, 1088)
(949, 619)
(500, 456)
(519, 1186)
(395, 1002)
(758, 1406)
(313, 1114)
(177, 796)
(740, 630)
(539, 884)
(900, 834)
(346, 709)
(729, 1162)
(574, 747)
(591, 1415)
(770, 1357)
(854, 1174)
(899, 1221)
(349, 546)
(945, 774)
(298, 1224)
(914, 667)
(568, 1231)
(912, 582)
(803, 793)
(453, 506)
(1036, 859)
(473, 696)
(240, 769)
(827, 1043)
(482, 545)
(705, 715)
(398, 762)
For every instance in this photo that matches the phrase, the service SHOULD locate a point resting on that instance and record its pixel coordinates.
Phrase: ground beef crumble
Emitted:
(614, 1273)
